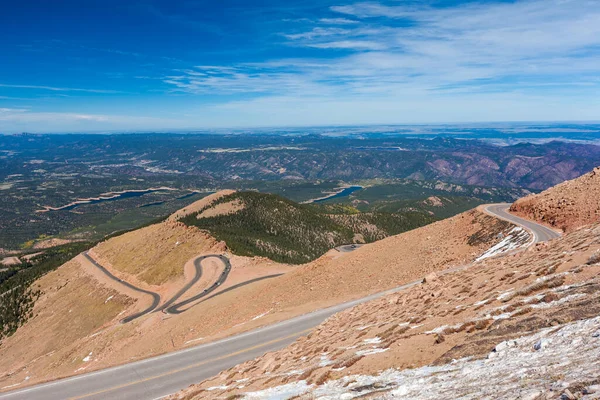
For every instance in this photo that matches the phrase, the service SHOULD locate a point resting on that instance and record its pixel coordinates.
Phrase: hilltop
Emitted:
(567, 206)
(267, 225)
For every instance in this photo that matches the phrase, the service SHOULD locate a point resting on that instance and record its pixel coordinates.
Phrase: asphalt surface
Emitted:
(176, 308)
(156, 377)
(540, 232)
(347, 248)
(155, 296)
(170, 307)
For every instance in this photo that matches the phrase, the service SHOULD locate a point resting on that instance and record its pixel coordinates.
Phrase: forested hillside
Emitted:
(258, 224)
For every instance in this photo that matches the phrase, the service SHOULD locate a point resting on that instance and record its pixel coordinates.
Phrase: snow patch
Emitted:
(505, 295)
(370, 351)
(572, 351)
(515, 239)
(260, 315)
(558, 302)
(281, 392)
(87, 358)
(210, 389)
(194, 340)
(324, 361)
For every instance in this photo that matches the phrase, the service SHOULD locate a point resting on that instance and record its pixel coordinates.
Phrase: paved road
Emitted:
(159, 376)
(176, 308)
(540, 232)
(168, 307)
(347, 248)
(155, 296)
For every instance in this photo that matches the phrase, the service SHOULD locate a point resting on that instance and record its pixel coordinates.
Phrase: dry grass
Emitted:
(157, 253)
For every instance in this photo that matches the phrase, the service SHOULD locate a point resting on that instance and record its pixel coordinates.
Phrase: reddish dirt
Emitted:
(326, 281)
(567, 206)
(461, 314)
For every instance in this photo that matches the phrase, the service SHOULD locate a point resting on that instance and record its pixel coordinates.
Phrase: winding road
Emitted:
(156, 377)
(169, 307)
(155, 296)
(540, 232)
(176, 308)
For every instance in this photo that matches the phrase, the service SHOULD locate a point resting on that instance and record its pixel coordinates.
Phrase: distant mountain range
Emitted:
(45, 172)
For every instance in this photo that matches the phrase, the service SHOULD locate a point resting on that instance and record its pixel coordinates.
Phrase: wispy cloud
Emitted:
(476, 46)
(5, 110)
(369, 10)
(362, 62)
(338, 21)
(349, 44)
(59, 89)
(16, 120)
(318, 32)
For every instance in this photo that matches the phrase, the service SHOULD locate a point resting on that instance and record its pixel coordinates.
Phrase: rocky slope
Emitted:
(567, 206)
(28, 357)
(521, 326)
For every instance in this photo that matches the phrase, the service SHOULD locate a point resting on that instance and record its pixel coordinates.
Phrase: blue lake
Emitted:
(120, 196)
(344, 193)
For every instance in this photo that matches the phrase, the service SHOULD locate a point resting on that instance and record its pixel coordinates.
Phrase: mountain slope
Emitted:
(520, 326)
(567, 206)
(334, 278)
(260, 224)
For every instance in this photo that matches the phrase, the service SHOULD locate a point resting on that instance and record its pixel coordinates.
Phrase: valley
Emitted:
(331, 287)
(45, 172)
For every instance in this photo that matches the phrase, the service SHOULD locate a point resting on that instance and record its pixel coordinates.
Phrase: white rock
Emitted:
(533, 395)
(592, 389)
(504, 345)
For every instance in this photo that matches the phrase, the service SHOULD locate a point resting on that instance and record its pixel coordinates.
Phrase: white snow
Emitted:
(441, 329)
(517, 370)
(362, 328)
(558, 302)
(261, 315)
(505, 295)
(294, 372)
(324, 360)
(501, 316)
(374, 340)
(482, 302)
(370, 351)
(216, 388)
(194, 340)
(280, 392)
(515, 239)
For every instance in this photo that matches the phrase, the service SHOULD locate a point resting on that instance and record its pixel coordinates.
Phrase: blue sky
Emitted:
(87, 65)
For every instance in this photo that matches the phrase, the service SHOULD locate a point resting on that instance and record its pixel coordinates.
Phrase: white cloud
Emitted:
(19, 120)
(58, 89)
(338, 21)
(4, 110)
(476, 47)
(318, 33)
(349, 44)
(380, 62)
(525, 60)
(369, 10)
